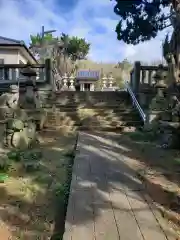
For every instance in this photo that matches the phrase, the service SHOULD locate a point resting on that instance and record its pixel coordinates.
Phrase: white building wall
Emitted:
(10, 56)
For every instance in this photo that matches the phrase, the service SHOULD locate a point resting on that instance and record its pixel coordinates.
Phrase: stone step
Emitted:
(63, 121)
(90, 128)
(95, 124)
(62, 128)
(122, 123)
(106, 118)
(99, 98)
(92, 112)
(91, 108)
(93, 98)
(95, 94)
(89, 101)
(97, 128)
(86, 104)
(77, 119)
(87, 117)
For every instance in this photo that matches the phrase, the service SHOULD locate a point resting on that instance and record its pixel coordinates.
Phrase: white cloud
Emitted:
(147, 51)
(93, 20)
(130, 51)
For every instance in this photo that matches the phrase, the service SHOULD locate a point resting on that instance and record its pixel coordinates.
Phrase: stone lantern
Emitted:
(104, 80)
(160, 89)
(160, 102)
(111, 79)
(30, 73)
(65, 81)
(160, 84)
(71, 80)
(29, 85)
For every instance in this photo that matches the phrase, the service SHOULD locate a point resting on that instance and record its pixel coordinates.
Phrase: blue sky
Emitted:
(93, 20)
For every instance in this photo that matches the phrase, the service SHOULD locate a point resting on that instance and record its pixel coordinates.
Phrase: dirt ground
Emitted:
(160, 171)
(27, 201)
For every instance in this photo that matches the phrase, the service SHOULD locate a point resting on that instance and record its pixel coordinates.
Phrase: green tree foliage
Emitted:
(74, 47)
(65, 51)
(125, 65)
(166, 49)
(141, 20)
(37, 39)
(119, 82)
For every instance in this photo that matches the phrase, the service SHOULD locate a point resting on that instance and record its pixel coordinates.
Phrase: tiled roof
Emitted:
(12, 42)
(87, 74)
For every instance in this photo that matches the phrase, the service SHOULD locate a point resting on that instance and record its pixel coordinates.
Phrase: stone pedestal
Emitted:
(45, 94)
(92, 87)
(82, 87)
(144, 95)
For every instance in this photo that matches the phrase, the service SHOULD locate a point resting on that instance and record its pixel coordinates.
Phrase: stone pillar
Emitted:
(91, 86)
(10, 74)
(136, 77)
(131, 78)
(17, 74)
(48, 69)
(82, 87)
(38, 74)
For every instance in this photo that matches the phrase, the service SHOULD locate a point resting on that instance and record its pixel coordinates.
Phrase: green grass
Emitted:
(3, 177)
(62, 194)
(44, 189)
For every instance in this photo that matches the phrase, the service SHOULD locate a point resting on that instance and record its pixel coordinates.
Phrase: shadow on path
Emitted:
(104, 168)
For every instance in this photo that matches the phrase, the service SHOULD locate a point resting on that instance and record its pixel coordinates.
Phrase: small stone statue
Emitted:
(20, 129)
(9, 102)
(13, 99)
(20, 133)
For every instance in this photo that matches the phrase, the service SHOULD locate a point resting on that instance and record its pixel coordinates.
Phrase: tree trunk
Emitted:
(175, 42)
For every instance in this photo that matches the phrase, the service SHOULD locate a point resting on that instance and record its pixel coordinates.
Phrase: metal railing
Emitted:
(136, 103)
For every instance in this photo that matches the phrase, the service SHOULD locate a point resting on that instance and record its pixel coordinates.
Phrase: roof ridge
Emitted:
(11, 39)
(13, 42)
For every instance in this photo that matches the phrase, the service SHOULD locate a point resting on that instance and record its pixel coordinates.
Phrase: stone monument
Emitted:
(21, 117)
(9, 102)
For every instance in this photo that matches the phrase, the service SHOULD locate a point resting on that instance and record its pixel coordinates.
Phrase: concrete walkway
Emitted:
(107, 201)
